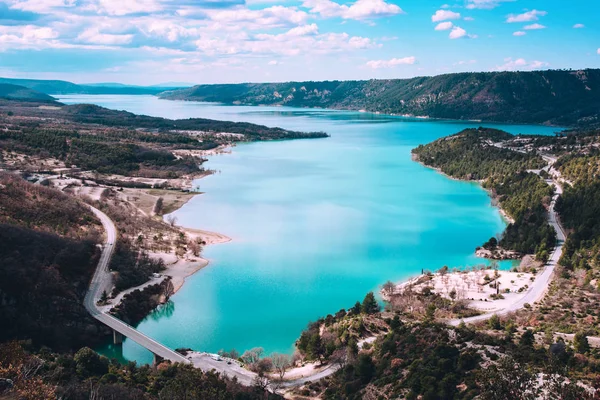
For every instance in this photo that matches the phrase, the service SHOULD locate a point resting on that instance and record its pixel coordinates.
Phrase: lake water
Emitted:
(316, 224)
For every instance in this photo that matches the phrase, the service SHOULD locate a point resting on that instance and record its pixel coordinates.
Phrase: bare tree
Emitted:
(252, 356)
(389, 287)
(339, 357)
(172, 220)
(281, 362)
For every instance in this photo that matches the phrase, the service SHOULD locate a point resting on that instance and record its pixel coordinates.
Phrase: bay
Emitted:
(316, 224)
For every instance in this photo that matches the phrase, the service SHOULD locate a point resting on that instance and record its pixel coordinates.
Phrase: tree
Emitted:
(506, 380)
(158, 206)
(339, 357)
(365, 368)
(389, 287)
(253, 355)
(494, 322)
(452, 294)
(315, 347)
(89, 363)
(580, 343)
(527, 339)
(281, 362)
(355, 310)
(104, 297)
(370, 305)
(172, 220)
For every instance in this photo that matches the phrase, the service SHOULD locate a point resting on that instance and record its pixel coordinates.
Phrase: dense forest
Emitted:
(421, 359)
(559, 97)
(118, 142)
(29, 374)
(47, 256)
(473, 155)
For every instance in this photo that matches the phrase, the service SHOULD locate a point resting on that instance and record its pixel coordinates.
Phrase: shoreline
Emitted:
(503, 214)
(366, 111)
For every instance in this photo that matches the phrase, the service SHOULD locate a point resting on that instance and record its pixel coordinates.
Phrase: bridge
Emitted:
(102, 281)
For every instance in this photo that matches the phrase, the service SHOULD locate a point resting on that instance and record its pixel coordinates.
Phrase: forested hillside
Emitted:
(118, 142)
(47, 255)
(556, 97)
(64, 87)
(15, 92)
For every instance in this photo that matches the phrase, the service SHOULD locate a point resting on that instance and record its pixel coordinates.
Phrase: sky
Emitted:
(147, 42)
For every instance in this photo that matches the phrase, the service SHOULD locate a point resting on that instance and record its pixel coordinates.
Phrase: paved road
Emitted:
(102, 281)
(539, 287)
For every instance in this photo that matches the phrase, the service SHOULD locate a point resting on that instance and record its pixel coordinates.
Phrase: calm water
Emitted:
(316, 224)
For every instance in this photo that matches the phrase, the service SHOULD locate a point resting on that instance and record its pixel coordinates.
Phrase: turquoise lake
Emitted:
(316, 224)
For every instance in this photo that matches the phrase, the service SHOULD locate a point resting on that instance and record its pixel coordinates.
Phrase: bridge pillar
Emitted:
(157, 359)
(117, 337)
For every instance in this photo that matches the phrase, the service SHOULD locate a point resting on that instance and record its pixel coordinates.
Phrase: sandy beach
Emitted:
(179, 269)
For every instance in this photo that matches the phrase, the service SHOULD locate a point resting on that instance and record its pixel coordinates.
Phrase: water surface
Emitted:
(316, 224)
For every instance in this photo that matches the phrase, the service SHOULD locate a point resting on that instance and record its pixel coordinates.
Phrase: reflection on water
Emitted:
(163, 311)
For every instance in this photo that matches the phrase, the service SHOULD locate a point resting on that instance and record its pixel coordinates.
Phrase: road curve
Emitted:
(539, 287)
(102, 281)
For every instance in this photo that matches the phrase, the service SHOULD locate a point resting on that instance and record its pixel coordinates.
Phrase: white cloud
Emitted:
(94, 36)
(599, 50)
(534, 27)
(40, 6)
(274, 16)
(311, 29)
(444, 15)
(578, 26)
(469, 19)
(520, 64)
(465, 62)
(484, 4)
(125, 7)
(519, 33)
(273, 62)
(444, 26)
(528, 16)
(394, 62)
(360, 10)
(457, 33)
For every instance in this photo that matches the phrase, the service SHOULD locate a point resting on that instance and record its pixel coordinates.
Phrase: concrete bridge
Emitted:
(101, 281)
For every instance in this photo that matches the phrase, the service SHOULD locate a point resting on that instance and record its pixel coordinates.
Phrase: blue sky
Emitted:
(211, 41)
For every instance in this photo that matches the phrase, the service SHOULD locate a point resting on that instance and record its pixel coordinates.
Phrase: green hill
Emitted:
(65, 87)
(551, 97)
(15, 92)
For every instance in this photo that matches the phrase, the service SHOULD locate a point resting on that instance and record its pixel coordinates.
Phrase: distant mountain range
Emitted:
(542, 97)
(15, 92)
(65, 87)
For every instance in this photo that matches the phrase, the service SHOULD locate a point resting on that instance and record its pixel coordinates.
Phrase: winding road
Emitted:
(101, 281)
(540, 286)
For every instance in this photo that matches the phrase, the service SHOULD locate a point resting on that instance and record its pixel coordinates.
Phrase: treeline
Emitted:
(429, 361)
(471, 154)
(43, 280)
(92, 114)
(109, 152)
(579, 209)
(139, 303)
(31, 375)
(132, 265)
(525, 197)
(474, 154)
(564, 98)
